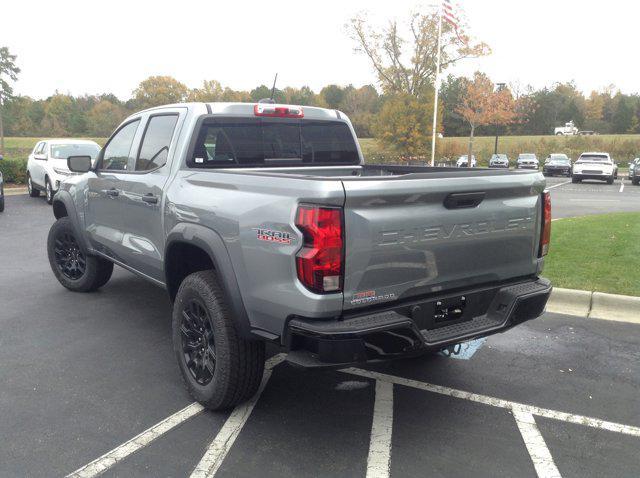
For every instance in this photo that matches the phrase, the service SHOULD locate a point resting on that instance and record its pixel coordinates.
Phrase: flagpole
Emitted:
(437, 88)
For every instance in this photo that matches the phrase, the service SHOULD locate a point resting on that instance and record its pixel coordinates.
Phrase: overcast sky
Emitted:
(93, 47)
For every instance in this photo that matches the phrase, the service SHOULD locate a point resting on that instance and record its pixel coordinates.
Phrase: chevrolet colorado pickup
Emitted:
(264, 225)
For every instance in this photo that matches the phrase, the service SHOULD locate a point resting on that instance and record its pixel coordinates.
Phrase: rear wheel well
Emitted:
(59, 209)
(181, 260)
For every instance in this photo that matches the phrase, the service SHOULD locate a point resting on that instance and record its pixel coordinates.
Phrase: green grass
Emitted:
(622, 147)
(596, 253)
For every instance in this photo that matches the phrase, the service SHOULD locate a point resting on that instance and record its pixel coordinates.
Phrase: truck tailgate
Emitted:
(413, 235)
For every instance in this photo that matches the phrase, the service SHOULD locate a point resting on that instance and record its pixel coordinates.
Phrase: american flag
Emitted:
(449, 14)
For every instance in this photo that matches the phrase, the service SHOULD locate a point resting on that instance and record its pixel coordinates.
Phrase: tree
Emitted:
(386, 48)
(264, 91)
(8, 73)
(211, 91)
(331, 96)
(103, 117)
(159, 90)
(482, 105)
(404, 124)
(300, 96)
(361, 105)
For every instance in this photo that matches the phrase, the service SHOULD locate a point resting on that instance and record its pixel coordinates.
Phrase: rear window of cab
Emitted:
(269, 142)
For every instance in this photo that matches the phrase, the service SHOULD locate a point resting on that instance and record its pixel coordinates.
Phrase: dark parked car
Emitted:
(634, 172)
(557, 164)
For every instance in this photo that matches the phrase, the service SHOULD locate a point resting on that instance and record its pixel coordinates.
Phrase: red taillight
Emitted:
(320, 262)
(545, 234)
(278, 111)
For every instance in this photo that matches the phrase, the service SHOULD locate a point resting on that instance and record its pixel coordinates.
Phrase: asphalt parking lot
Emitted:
(592, 197)
(83, 374)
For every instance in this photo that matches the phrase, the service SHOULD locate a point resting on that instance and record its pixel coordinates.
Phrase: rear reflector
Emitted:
(545, 234)
(278, 111)
(320, 262)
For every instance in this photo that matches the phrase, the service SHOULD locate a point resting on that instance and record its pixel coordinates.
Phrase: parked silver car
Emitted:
(499, 161)
(527, 161)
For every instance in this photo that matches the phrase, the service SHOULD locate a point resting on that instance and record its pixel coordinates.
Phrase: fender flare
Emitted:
(65, 198)
(212, 243)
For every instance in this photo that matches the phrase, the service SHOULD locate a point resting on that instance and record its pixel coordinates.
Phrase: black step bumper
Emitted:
(414, 327)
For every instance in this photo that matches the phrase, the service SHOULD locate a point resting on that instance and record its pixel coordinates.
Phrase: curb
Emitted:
(15, 191)
(595, 305)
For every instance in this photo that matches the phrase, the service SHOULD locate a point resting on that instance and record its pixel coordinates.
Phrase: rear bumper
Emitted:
(601, 177)
(412, 328)
(556, 171)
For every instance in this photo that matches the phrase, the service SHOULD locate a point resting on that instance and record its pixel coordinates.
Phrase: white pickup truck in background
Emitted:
(569, 129)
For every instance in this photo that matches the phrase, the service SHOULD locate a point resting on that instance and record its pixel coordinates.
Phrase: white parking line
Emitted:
(224, 440)
(106, 461)
(621, 185)
(540, 454)
(498, 402)
(379, 459)
(557, 185)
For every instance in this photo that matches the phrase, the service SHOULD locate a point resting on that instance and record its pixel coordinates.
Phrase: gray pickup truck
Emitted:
(264, 225)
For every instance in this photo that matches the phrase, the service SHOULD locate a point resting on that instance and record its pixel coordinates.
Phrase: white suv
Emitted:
(47, 164)
(594, 166)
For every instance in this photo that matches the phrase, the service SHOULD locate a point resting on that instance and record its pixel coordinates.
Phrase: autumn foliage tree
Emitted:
(404, 60)
(483, 105)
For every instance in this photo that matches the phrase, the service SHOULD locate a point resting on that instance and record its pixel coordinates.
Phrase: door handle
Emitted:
(112, 192)
(150, 199)
(464, 200)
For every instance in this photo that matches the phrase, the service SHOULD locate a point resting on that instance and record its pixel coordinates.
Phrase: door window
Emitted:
(118, 151)
(156, 141)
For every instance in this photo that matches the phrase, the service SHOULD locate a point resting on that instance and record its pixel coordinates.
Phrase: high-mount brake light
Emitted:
(320, 262)
(545, 233)
(278, 111)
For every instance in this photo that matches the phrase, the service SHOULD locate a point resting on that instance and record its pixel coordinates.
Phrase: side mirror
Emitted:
(79, 164)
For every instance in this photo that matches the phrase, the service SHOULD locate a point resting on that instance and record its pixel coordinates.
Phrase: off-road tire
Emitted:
(575, 180)
(2, 204)
(635, 181)
(610, 180)
(33, 191)
(97, 271)
(239, 363)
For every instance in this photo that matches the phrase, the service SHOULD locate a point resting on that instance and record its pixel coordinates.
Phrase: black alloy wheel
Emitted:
(198, 345)
(68, 257)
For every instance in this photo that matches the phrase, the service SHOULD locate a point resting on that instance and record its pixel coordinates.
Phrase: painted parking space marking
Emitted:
(558, 185)
(106, 461)
(621, 185)
(226, 437)
(379, 459)
(536, 446)
(498, 402)
(109, 459)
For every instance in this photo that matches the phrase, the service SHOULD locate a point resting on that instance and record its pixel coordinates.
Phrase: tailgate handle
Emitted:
(463, 200)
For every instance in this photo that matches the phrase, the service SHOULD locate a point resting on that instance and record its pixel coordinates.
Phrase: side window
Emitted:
(156, 141)
(117, 152)
(39, 147)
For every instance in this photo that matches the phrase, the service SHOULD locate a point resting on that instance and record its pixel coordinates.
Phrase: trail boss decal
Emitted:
(369, 296)
(269, 235)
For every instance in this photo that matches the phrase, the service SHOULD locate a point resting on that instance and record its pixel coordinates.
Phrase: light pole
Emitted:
(495, 148)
